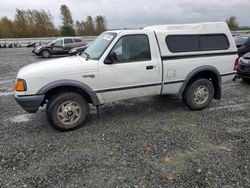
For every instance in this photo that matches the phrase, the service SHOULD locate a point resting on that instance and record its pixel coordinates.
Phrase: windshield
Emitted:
(48, 42)
(56, 41)
(97, 48)
(51, 42)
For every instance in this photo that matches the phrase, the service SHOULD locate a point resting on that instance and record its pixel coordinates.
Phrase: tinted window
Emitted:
(132, 48)
(68, 41)
(189, 43)
(214, 42)
(183, 43)
(77, 40)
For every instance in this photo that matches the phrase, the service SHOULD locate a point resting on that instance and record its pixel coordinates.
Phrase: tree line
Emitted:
(234, 25)
(39, 23)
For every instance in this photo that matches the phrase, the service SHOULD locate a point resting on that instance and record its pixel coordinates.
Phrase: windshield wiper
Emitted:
(87, 55)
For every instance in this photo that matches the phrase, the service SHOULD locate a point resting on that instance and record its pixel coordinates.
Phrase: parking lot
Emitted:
(144, 143)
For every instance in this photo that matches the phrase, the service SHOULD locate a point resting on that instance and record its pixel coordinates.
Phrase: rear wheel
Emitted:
(45, 53)
(67, 111)
(198, 94)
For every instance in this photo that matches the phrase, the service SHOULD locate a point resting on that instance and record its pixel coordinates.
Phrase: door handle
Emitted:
(149, 67)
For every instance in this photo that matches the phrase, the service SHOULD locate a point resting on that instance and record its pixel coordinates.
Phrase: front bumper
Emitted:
(30, 103)
(38, 52)
(242, 75)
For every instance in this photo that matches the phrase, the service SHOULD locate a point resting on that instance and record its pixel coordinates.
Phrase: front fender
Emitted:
(92, 94)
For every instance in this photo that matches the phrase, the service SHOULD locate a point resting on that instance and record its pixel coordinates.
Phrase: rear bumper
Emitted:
(30, 103)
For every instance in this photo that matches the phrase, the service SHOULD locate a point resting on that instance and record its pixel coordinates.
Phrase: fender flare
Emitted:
(92, 94)
(46, 49)
(198, 70)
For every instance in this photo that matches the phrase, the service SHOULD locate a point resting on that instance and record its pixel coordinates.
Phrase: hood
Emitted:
(242, 50)
(242, 47)
(42, 46)
(56, 67)
(246, 56)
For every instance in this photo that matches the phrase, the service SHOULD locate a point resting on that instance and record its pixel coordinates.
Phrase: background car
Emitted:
(58, 47)
(240, 40)
(31, 44)
(245, 48)
(38, 45)
(243, 70)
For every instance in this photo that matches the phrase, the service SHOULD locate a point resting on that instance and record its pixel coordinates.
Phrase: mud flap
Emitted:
(234, 79)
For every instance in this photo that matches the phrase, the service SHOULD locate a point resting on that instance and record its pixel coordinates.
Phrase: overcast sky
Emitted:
(138, 13)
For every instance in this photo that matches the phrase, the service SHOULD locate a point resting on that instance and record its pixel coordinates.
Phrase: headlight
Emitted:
(38, 48)
(21, 85)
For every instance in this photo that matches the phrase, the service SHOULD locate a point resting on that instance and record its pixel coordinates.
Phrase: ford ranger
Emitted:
(191, 59)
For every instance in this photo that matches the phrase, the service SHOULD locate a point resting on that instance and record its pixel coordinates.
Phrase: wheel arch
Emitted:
(208, 72)
(47, 49)
(70, 85)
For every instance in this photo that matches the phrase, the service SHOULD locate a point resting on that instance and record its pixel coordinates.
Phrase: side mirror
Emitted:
(111, 58)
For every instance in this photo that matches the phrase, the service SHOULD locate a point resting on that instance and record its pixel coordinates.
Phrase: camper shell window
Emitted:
(192, 43)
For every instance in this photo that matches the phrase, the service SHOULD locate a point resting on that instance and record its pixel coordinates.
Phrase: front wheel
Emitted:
(45, 53)
(67, 111)
(199, 94)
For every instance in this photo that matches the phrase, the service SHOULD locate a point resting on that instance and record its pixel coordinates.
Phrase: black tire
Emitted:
(45, 53)
(246, 80)
(192, 101)
(54, 109)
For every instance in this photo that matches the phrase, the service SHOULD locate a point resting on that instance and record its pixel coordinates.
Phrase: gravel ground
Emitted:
(148, 142)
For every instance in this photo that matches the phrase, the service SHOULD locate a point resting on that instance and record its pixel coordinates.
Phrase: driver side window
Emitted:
(132, 48)
(59, 42)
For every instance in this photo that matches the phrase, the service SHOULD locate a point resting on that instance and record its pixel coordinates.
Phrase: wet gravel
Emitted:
(144, 143)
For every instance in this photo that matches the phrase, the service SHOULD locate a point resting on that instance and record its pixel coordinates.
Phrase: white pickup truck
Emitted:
(190, 59)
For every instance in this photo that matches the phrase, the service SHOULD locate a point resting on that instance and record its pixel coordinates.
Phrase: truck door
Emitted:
(134, 71)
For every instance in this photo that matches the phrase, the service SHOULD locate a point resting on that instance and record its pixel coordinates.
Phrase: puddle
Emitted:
(11, 81)
(237, 130)
(233, 84)
(7, 93)
(233, 107)
(233, 130)
(21, 118)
